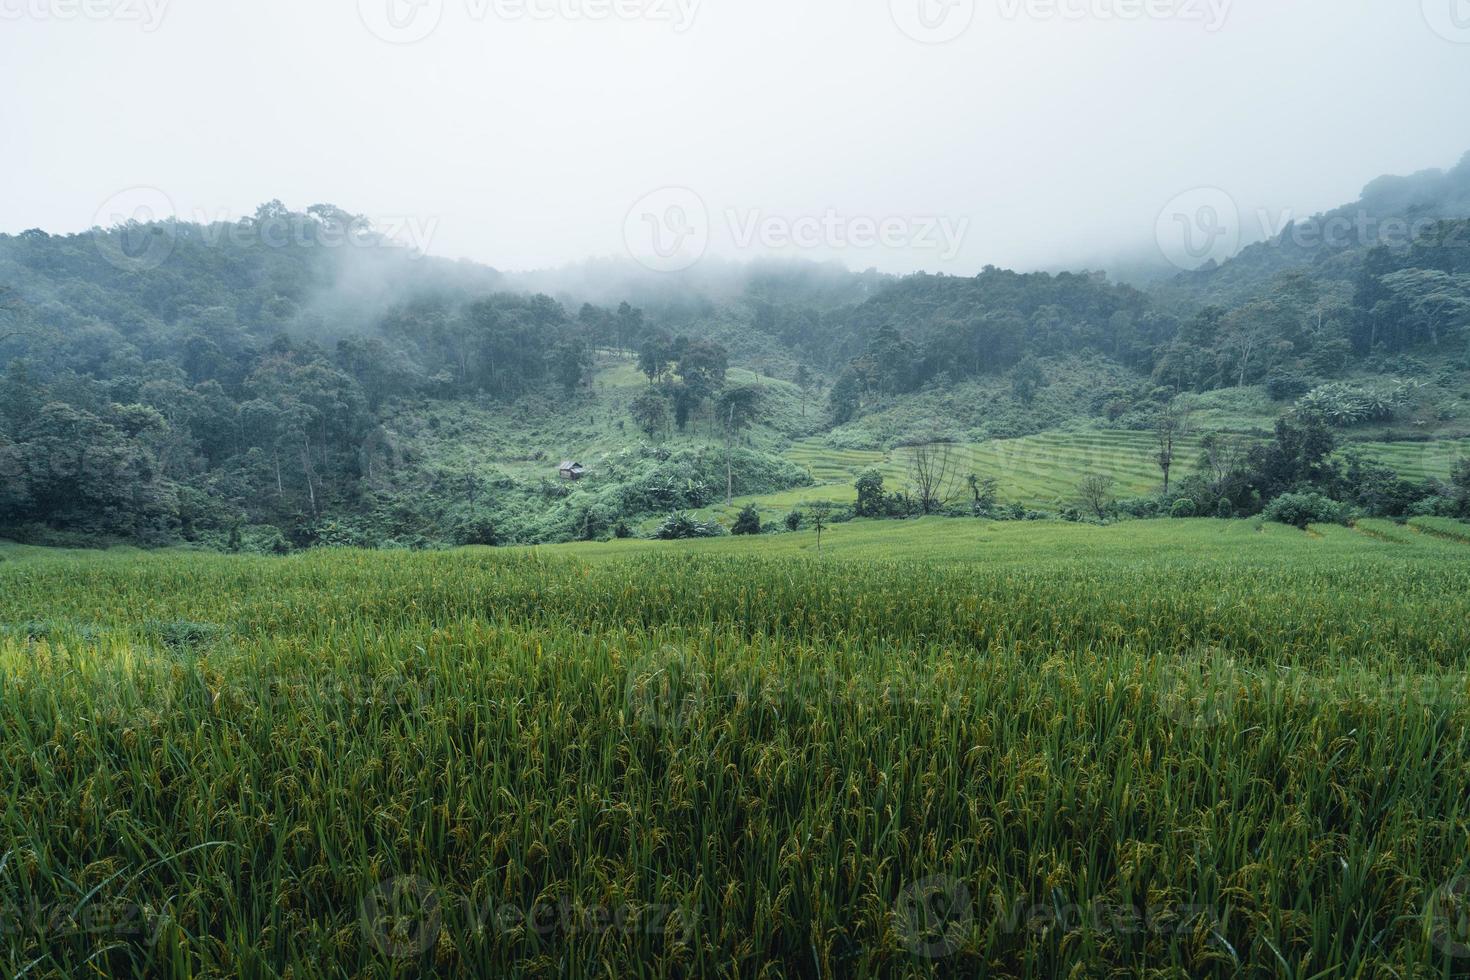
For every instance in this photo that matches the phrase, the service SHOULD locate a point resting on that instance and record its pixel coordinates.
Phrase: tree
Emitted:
(1300, 455)
(931, 476)
(572, 360)
(821, 514)
(1096, 493)
(702, 365)
(1460, 480)
(628, 325)
(804, 382)
(650, 412)
(656, 357)
(8, 308)
(748, 521)
(984, 491)
(871, 501)
(1221, 457)
(1170, 427)
(738, 409)
(1027, 380)
(1439, 300)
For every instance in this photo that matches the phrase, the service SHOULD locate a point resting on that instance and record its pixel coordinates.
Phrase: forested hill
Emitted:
(1393, 212)
(279, 382)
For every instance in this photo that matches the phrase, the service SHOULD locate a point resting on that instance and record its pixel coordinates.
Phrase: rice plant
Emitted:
(1177, 749)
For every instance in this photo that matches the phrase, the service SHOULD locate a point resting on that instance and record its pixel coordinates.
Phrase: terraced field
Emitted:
(1041, 470)
(1044, 470)
(1419, 460)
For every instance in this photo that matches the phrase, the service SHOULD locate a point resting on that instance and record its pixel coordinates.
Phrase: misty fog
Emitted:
(903, 135)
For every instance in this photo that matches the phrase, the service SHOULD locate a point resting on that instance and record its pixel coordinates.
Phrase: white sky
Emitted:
(524, 141)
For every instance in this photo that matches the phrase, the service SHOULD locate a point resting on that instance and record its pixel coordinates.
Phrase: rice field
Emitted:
(1041, 470)
(953, 748)
(1044, 470)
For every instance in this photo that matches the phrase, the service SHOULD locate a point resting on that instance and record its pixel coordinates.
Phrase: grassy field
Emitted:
(1188, 748)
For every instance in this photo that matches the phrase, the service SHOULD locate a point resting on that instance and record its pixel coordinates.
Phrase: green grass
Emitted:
(1189, 748)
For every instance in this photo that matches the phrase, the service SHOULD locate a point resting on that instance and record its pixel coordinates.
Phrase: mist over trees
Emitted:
(182, 381)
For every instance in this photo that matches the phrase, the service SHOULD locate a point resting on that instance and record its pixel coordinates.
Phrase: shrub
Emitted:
(748, 521)
(1301, 509)
(1343, 405)
(476, 529)
(681, 526)
(1140, 507)
(1183, 507)
(1223, 510)
(1284, 386)
(794, 520)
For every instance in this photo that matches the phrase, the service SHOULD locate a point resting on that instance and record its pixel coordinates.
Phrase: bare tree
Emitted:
(1221, 456)
(932, 476)
(1171, 426)
(821, 511)
(1096, 492)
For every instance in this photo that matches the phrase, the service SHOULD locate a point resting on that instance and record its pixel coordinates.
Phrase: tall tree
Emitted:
(739, 408)
(1171, 426)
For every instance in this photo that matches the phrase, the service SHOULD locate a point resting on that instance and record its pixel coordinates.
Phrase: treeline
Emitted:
(237, 384)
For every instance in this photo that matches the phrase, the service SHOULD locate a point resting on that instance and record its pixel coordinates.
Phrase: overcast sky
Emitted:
(934, 134)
